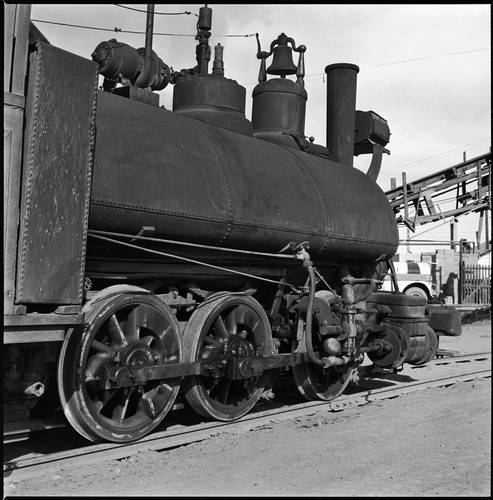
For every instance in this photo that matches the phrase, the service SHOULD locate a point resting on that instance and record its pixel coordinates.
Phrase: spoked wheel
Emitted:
(226, 326)
(125, 326)
(315, 382)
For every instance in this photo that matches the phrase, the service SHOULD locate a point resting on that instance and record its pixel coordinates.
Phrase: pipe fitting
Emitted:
(335, 361)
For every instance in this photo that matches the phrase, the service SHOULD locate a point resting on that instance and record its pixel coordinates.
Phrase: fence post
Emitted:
(461, 272)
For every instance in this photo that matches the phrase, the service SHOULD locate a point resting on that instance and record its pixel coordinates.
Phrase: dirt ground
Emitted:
(435, 442)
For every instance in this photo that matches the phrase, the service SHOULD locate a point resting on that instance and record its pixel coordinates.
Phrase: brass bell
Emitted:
(282, 58)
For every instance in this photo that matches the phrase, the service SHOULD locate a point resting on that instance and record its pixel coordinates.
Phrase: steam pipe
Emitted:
(309, 313)
(303, 255)
(203, 50)
(341, 111)
(143, 79)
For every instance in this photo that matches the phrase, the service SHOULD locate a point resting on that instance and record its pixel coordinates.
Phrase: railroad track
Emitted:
(439, 372)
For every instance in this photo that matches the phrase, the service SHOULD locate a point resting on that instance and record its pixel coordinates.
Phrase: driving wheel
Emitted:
(228, 325)
(124, 326)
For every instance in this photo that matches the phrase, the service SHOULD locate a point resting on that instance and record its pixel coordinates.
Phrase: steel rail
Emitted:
(178, 435)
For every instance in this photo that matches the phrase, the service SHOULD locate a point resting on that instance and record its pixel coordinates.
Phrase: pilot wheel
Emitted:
(316, 382)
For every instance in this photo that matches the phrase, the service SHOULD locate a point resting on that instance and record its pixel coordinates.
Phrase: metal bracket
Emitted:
(144, 231)
(376, 160)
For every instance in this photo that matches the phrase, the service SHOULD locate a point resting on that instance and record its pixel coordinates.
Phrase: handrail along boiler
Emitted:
(150, 252)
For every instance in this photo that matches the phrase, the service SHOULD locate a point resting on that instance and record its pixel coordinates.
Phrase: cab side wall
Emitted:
(56, 179)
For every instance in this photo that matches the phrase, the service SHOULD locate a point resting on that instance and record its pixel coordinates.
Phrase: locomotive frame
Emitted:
(127, 283)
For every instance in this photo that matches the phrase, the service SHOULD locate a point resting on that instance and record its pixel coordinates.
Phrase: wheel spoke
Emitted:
(144, 317)
(213, 386)
(222, 391)
(116, 332)
(167, 333)
(100, 404)
(148, 339)
(241, 312)
(220, 328)
(135, 320)
(250, 319)
(232, 323)
(211, 341)
(121, 411)
(102, 348)
(152, 320)
(94, 365)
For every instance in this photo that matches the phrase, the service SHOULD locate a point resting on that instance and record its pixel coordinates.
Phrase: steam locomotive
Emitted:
(152, 254)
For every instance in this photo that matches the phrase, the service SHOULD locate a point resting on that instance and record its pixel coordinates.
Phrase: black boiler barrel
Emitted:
(198, 183)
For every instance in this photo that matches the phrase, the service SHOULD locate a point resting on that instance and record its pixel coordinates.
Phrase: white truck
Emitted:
(413, 278)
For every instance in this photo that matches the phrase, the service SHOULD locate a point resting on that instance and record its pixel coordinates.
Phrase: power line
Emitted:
(409, 60)
(432, 157)
(395, 62)
(79, 26)
(158, 13)
(423, 58)
(118, 30)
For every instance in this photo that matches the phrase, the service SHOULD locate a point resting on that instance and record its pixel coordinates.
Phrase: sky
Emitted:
(425, 68)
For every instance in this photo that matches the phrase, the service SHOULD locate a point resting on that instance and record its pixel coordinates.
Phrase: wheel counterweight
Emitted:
(128, 327)
(229, 325)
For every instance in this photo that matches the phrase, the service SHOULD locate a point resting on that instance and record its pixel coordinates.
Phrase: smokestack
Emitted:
(341, 111)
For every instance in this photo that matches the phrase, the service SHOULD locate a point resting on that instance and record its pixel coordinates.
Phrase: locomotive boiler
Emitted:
(157, 254)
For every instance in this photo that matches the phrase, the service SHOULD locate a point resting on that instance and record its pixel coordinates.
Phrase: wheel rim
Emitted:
(144, 331)
(229, 324)
(315, 382)
(416, 292)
